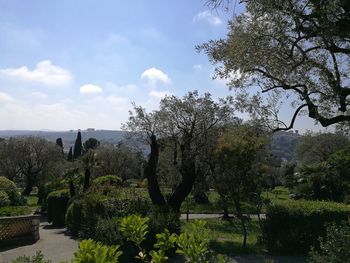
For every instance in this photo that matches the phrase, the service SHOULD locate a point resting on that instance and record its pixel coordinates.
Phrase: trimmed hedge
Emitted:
(108, 179)
(15, 211)
(293, 227)
(57, 203)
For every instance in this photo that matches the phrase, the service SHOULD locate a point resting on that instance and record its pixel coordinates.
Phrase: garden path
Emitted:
(54, 243)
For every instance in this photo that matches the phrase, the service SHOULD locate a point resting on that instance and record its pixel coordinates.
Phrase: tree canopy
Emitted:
(295, 50)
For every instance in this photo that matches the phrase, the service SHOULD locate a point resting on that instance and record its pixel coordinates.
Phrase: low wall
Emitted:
(15, 230)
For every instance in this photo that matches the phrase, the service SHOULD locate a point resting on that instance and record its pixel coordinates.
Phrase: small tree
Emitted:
(70, 155)
(236, 152)
(78, 147)
(88, 162)
(91, 144)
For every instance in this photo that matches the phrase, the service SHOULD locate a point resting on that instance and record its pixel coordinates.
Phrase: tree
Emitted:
(88, 162)
(78, 147)
(297, 49)
(186, 123)
(70, 155)
(317, 148)
(91, 144)
(119, 160)
(236, 153)
(59, 143)
(29, 159)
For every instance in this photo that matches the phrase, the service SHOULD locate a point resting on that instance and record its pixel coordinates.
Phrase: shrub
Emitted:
(4, 199)
(108, 179)
(37, 258)
(334, 247)
(57, 206)
(10, 189)
(101, 203)
(93, 252)
(292, 227)
(15, 210)
(161, 219)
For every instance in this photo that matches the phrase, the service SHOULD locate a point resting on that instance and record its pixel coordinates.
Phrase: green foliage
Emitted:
(4, 199)
(57, 203)
(108, 179)
(91, 144)
(37, 258)
(15, 210)
(9, 188)
(161, 219)
(95, 252)
(134, 228)
(292, 227)
(334, 247)
(193, 243)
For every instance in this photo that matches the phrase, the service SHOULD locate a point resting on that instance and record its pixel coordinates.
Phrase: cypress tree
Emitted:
(70, 155)
(59, 142)
(78, 146)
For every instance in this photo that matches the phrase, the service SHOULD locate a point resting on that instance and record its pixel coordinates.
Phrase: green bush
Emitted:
(101, 203)
(334, 247)
(4, 199)
(161, 219)
(15, 210)
(108, 179)
(292, 227)
(11, 190)
(57, 207)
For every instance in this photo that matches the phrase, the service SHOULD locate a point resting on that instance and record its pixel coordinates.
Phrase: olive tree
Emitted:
(185, 122)
(296, 50)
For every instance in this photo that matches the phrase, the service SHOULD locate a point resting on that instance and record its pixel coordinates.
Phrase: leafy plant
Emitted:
(95, 252)
(37, 258)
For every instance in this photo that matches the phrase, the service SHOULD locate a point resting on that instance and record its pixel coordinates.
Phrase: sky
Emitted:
(78, 64)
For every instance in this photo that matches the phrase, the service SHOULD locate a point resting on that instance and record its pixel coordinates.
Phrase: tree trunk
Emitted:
(71, 189)
(86, 179)
(151, 175)
(188, 172)
(226, 215)
(29, 185)
(242, 219)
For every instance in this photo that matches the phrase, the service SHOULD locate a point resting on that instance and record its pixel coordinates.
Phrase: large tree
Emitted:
(293, 49)
(186, 123)
(78, 146)
(31, 160)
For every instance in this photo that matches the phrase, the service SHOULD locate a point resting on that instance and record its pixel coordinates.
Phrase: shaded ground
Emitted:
(54, 243)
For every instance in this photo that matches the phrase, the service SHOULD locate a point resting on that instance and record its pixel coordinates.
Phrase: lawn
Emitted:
(226, 236)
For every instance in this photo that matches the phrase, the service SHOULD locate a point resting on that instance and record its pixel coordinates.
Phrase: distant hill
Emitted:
(282, 145)
(68, 137)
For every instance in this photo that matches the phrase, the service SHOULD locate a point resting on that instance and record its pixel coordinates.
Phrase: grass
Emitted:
(226, 237)
(32, 201)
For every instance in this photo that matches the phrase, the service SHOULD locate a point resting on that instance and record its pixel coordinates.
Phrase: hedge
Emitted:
(57, 202)
(293, 227)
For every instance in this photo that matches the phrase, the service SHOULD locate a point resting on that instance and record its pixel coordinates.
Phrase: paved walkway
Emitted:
(53, 242)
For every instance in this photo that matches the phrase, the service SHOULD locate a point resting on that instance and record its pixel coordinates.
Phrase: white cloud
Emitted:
(90, 89)
(159, 94)
(4, 97)
(45, 73)
(154, 76)
(197, 67)
(38, 95)
(208, 17)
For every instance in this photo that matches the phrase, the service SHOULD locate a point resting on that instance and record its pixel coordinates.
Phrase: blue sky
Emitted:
(77, 64)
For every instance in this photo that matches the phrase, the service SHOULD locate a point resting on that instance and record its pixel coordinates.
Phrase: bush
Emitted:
(15, 210)
(108, 179)
(57, 207)
(4, 199)
(37, 258)
(292, 227)
(101, 203)
(161, 219)
(334, 247)
(10, 189)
